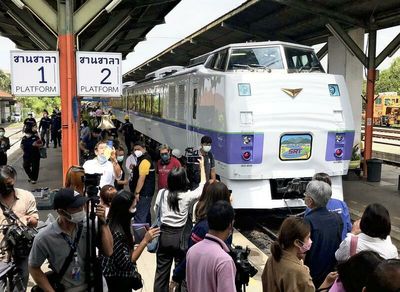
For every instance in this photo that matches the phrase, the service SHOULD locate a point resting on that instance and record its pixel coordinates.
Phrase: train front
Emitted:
(285, 125)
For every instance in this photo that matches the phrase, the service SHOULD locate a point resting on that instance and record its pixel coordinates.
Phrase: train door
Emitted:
(193, 102)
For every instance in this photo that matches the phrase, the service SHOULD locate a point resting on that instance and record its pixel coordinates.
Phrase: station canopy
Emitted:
(299, 21)
(115, 30)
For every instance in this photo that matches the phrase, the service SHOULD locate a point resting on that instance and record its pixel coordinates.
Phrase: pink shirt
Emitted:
(209, 267)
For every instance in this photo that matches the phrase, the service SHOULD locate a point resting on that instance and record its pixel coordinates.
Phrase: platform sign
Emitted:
(99, 74)
(35, 73)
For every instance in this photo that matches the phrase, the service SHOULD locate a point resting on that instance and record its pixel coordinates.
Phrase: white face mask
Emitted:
(102, 159)
(2, 134)
(206, 148)
(76, 217)
(132, 210)
(138, 153)
(28, 135)
(120, 158)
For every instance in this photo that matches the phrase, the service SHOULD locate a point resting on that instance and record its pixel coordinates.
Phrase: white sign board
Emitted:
(99, 74)
(35, 73)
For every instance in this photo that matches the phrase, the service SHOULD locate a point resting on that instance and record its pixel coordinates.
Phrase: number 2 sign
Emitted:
(99, 74)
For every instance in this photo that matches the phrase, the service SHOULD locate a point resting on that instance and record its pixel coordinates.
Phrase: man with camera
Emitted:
(109, 169)
(209, 267)
(18, 207)
(64, 244)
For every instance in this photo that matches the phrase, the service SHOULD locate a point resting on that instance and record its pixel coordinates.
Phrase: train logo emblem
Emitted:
(295, 147)
(292, 92)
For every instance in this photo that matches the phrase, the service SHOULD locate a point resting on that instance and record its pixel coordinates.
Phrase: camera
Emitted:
(18, 238)
(244, 269)
(192, 167)
(92, 182)
(192, 156)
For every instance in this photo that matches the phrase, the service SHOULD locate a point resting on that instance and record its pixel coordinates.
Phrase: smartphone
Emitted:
(193, 159)
(110, 143)
(139, 231)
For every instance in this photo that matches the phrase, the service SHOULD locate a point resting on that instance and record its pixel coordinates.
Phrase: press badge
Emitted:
(76, 269)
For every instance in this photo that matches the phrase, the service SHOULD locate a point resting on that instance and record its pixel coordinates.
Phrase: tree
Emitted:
(5, 81)
(389, 79)
(38, 104)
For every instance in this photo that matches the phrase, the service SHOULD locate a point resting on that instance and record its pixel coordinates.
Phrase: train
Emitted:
(275, 118)
(387, 110)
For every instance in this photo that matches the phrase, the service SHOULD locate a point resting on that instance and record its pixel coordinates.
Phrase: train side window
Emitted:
(194, 115)
(171, 102)
(155, 109)
(181, 102)
(142, 103)
(148, 103)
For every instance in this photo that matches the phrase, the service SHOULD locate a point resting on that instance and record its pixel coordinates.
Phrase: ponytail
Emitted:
(173, 201)
(276, 251)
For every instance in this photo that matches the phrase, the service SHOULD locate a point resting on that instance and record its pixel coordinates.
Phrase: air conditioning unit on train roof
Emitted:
(164, 72)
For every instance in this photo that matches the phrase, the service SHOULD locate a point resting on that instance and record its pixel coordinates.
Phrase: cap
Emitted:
(68, 198)
(177, 153)
(126, 117)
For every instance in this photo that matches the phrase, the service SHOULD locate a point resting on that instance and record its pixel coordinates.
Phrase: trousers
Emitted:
(31, 166)
(143, 210)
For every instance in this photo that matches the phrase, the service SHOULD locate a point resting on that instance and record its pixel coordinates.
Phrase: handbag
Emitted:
(55, 278)
(43, 152)
(187, 229)
(152, 246)
(136, 281)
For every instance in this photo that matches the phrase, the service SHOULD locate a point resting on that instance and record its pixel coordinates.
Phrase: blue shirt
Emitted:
(339, 207)
(326, 236)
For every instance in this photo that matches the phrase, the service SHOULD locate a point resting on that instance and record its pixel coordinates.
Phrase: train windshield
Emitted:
(300, 60)
(253, 58)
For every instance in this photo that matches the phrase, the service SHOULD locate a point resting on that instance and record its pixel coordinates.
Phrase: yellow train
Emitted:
(387, 109)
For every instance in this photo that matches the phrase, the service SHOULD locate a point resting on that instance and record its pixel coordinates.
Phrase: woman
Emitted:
(373, 234)
(174, 213)
(30, 145)
(74, 179)
(4, 146)
(284, 270)
(121, 183)
(212, 192)
(107, 194)
(120, 268)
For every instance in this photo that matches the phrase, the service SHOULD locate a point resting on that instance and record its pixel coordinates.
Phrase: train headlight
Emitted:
(338, 152)
(246, 155)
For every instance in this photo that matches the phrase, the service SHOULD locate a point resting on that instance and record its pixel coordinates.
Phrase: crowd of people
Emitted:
(191, 231)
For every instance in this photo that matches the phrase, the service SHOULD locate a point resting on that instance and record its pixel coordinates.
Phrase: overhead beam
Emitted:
(87, 12)
(347, 41)
(321, 10)
(44, 12)
(390, 49)
(242, 30)
(141, 3)
(322, 52)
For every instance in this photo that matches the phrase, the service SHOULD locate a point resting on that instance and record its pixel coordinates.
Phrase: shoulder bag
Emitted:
(55, 278)
(187, 229)
(152, 246)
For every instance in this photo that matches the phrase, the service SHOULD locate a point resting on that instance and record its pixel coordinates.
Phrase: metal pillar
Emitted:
(66, 46)
(369, 112)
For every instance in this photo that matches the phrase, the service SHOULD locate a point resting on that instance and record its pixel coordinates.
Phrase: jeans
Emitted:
(45, 136)
(20, 279)
(143, 210)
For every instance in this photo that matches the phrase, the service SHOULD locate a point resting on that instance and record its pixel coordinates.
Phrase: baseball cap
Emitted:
(68, 198)
(177, 153)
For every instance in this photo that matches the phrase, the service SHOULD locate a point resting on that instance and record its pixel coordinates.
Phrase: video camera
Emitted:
(192, 167)
(244, 269)
(18, 238)
(92, 182)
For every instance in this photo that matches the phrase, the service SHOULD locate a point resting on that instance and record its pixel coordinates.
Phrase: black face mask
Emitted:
(5, 190)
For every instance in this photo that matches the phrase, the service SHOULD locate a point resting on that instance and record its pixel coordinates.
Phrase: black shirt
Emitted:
(44, 123)
(30, 151)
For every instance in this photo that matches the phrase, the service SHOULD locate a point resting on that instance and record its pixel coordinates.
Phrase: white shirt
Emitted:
(130, 160)
(107, 170)
(168, 216)
(384, 247)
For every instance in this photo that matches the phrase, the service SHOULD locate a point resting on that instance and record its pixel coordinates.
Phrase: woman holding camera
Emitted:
(120, 268)
(176, 200)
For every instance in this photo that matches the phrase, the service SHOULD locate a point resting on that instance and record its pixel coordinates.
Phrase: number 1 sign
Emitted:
(99, 74)
(35, 73)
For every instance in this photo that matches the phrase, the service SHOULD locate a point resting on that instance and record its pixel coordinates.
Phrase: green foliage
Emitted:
(5, 81)
(38, 104)
(389, 79)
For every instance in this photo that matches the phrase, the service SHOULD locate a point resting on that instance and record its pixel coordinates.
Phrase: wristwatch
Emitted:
(106, 222)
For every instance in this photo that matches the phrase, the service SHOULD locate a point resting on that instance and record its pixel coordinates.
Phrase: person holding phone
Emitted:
(120, 268)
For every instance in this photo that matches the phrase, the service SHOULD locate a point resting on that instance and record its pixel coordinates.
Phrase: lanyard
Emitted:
(73, 245)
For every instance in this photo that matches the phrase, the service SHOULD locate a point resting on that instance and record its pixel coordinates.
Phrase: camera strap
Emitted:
(73, 246)
(213, 239)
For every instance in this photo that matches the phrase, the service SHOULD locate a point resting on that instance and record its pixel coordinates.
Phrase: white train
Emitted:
(273, 114)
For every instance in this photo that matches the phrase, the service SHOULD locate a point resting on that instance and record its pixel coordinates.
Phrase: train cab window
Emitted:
(220, 60)
(378, 100)
(210, 61)
(301, 60)
(253, 58)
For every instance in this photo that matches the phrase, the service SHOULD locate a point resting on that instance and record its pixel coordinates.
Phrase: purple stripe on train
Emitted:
(339, 146)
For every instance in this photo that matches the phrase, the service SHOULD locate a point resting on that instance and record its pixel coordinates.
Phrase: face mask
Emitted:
(102, 159)
(306, 246)
(138, 153)
(2, 134)
(76, 217)
(206, 148)
(120, 158)
(82, 125)
(6, 189)
(28, 135)
(165, 156)
(132, 210)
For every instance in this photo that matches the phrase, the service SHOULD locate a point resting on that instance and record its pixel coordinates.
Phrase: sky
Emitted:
(187, 17)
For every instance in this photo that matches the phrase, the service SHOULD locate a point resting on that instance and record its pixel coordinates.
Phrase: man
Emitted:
(326, 231)
(142, 183)
(127, 130)
(30, 145)
(4, 146)
(209, 162)
(209, 267)
(69, 232)
(44, 128)
(29, 122)
(85, 130)
(385, 278)
(119, 184)
(56, 128)
(23, 204)
(165, 165)
(88, 144)
(109, 169)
